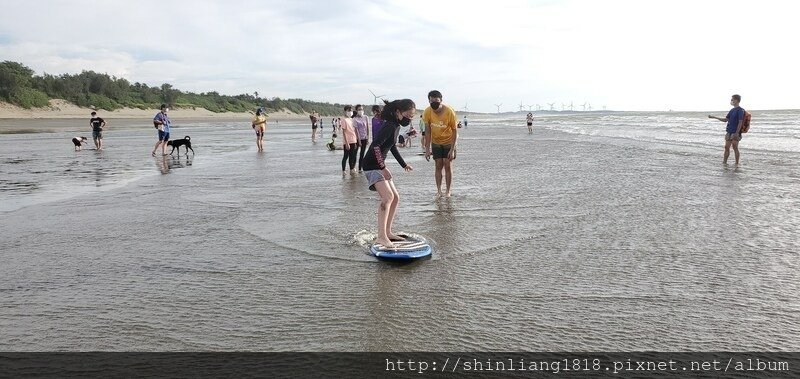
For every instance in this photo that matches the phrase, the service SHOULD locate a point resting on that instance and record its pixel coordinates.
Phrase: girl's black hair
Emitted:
(394, 106)
(376, 108)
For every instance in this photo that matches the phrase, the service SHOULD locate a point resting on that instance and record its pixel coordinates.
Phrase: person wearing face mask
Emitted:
(349, 140)
(360, 123)
(440, 139)
(162, 123)
(395, 114)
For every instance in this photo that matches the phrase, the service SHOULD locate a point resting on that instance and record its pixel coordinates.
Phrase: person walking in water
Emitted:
(162, 123)
(529, 121)
(314, 118)
(465, 122)
(97, 124)
(441, 138)
(395, 114)
(422, 131)
(350, 140)
(361, 124)
(260, 126)
(733, 131)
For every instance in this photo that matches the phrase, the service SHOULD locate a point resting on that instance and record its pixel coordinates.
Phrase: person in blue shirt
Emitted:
(161, 122)
(733, 131)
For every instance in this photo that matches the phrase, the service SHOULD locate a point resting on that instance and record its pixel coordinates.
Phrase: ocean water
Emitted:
(598, 231)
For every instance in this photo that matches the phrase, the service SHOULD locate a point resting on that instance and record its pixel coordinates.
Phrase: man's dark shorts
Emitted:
(97, 134)
(733, 136)
(440, 151)
(163, 136)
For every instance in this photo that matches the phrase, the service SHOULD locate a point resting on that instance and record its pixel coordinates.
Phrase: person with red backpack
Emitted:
(736, 126)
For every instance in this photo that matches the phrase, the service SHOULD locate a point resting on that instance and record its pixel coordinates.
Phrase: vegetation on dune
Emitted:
(20, 86)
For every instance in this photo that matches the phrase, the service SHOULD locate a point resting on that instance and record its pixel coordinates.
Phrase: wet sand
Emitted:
(587, 235)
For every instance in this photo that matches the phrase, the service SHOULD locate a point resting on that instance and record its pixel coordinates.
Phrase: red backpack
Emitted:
(746, 122)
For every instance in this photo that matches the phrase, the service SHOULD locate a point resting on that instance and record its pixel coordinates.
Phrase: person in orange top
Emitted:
(440, 139)
(260, 126)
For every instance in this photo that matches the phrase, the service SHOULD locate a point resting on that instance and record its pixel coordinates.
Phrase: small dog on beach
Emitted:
(77, 141)
(177, 143)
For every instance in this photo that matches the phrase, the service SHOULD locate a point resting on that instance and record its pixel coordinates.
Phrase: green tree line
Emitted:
(20, 85)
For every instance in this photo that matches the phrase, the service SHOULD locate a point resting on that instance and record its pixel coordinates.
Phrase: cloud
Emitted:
(622, 53)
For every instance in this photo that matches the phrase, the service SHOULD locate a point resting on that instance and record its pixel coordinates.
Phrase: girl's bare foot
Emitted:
(395, 238)
(384, 242)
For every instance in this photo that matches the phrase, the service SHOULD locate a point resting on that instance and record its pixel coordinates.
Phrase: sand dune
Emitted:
(63, 109)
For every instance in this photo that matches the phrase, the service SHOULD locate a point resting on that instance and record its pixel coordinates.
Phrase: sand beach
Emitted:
(62, 115)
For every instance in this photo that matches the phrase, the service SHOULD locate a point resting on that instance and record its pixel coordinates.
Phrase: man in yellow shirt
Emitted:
(440, 139)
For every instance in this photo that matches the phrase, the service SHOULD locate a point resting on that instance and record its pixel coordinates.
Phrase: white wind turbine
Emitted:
(589, 107)
(521, 106)
(376, 97)
(563, 106)
(570, 106)
(584, 106)
(551, 106)
(466, 109)
(498, 107)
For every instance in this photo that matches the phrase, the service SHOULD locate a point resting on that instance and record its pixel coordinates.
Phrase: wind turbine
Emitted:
(521, 106)
(466, 109)
(538, 107)
(584, 106)
(530, 107)
(570, 106)
(551, 106)
(498, 107)
(563, 106)
(589, 107)
(376, 97)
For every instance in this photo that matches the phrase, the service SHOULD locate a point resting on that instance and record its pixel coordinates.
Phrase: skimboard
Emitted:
(410, 248)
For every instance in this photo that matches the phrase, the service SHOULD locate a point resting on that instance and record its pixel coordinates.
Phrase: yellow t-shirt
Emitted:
(440, 126)
(260, 122)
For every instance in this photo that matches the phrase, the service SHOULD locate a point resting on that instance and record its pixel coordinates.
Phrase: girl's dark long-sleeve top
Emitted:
(385, 141)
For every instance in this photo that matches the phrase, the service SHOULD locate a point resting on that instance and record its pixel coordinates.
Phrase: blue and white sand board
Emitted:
(411, 248)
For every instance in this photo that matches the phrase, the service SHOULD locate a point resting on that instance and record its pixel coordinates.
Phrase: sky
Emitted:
(613, 54)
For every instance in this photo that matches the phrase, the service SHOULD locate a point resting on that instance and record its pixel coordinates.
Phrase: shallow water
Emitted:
(596, 232)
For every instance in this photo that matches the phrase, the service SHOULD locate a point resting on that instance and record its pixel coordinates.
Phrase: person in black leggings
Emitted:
(349, 140)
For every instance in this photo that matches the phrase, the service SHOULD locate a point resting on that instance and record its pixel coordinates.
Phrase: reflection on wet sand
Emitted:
(165, 163)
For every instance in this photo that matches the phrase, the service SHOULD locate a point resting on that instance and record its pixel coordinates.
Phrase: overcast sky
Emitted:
(621, 54)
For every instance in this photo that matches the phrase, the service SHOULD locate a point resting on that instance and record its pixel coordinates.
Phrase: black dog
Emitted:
(177, 143)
